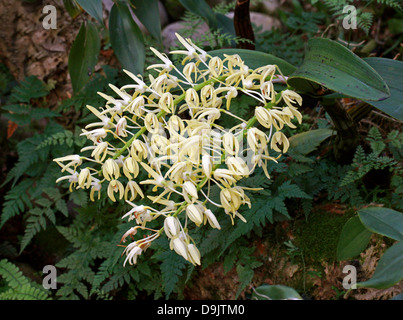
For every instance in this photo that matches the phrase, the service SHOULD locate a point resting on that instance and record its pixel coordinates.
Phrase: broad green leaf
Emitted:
(254, 59)
(126, 39)
(72, 7)
(389, 269)
(225, 24)
(83, 55)
(306, 142)
(354, 238)
(93, 8)
(147, 12)
(275, 292)
(202, 9)
(391, 71)
(384, 221)
(330, 64)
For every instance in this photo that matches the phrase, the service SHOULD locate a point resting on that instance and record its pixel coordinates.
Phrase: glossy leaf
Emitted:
(391, 71)
(72, 7)
(275, 292)
(331, 65)
(389, 270)
(306, 142)
(83, 55)
(254, 59)
(126, 39)
(384, 221)
(354, 238)
(93, 8)
(225, 24)
(147, 12)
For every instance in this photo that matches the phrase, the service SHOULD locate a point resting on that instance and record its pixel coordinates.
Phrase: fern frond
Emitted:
(30, 88)
(12, 275)
(395, 4)
(20, 287)
(59, 138)
(365, 21)
(35, 223)
(16, 201)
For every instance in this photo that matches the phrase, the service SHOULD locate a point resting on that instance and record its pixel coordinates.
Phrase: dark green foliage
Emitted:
(23, 104)
(364, 17)
(281, 44)
(288, 42)
(377, 169)
(89, 96)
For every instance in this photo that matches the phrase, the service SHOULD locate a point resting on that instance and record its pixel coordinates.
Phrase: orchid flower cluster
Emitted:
(168, 129)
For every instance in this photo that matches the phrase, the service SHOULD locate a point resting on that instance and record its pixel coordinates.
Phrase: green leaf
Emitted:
(389, 269)
(84, 55)
(275, 292)
(147, 12)
(72, 7)
(202, 9)
(93, 8)
(254, 59)
(225, 24)
(391, 71)
(384, 221)
(126, 39)
(354, 238)
(330, 64)
(306, 142)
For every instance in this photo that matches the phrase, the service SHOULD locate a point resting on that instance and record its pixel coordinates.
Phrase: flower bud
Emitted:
(230, 143)
(193, 254)
(84, 178)
(179, 246)
(194, 214)
(210, 217)
(171, 226)
(207, 165)
(189, 189)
